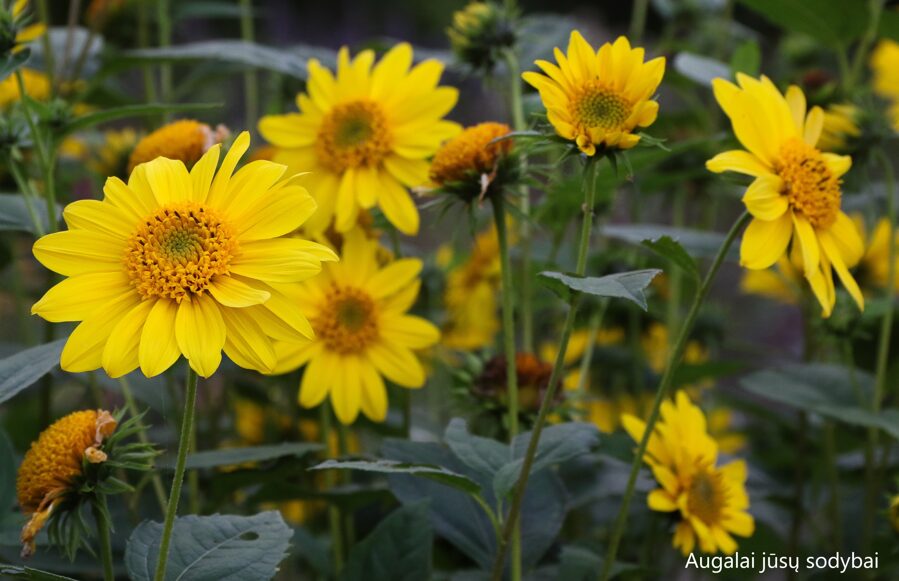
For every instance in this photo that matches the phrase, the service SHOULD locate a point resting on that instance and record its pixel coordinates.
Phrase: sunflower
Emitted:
(597, 99)
(177, 263)
(796, 194)
(365, 134)
(16, 33)
(711, 500)
(473, 164)
(362, 332)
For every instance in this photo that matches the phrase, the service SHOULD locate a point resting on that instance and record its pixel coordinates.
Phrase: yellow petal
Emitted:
(84, 349)
(346, 389)
(75, 252)
(276, 260)
(374, 393)
(409, 331)
(79, 297)
(393, 277)
(398, 207)
(100, 217)
(763, 198)
(169, 180)
(397, 364)
(218, 190)
(808, 243)
(137, 205)
(289, 131)
(814, 124)
(200, 333)
(836, 258)
(231, 292)
(202, 173)
(765, 241)
(284, 212)
(120, 355)
(158, 347)
(739, 161)
(247, 344)
(316, 380)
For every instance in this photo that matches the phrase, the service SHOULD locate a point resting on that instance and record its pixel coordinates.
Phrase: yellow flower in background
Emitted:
(111, 158)
(656, 343)
(711, 500)
(22, 33)
(598, 98)
(185, 140)
(365, 133)
(577, 347)
(720, 421)
(874, 267)
(471, 296)
(605, 412)
(37, 86)
(885, 68)
(796, 194)
(840, 127)
(363, 333)
(177, 263)
(781, 282)
(54, 461)
(894, 513)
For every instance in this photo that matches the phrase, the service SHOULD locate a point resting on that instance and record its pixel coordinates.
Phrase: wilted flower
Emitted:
(533, 381)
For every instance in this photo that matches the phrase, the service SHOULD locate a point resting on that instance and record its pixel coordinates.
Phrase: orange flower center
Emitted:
(178, 250)
(810, 186)
(352, 135)
(705, 495)
(348, 322)
(595, 104)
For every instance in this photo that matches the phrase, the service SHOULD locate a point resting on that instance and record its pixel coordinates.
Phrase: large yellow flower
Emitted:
(711, 500)
(362, 332)
(177, 263)
(598, 98)
(796, 193)
(365, 134)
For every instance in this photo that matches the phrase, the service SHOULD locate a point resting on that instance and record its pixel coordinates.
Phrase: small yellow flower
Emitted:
(182, 263)
(54, 461)
(796, 195)
(362, 332)
(885, 66)
(185, 140)
(471, 156)
(365, 134)
(37, 87)
(19, 32)
(711, 500)
(874, 267)
(598, 98)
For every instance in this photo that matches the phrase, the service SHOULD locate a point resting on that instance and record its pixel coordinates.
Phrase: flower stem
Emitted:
(674, 360)
(330, 482)
(511, 523)
(101, 516)
(144, 439)
(187, 422)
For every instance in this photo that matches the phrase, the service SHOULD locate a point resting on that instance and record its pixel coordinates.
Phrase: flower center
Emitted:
(594, 104)
(706, 495)
(178, 250)
(348, 321)
(810, 186)
(353, 134)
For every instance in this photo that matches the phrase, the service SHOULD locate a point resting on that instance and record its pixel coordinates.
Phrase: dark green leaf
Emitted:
(234, 456)
(623, 285)
(399, 549)
(747, 59)
(14, 214)
(668, 247)
(126, 111)
(581, 564)
(220, 547)
(833, 22)
(432, 472)
(17, 572)
(699, 69)
(314, 550)
(22, 369)
(483, 455)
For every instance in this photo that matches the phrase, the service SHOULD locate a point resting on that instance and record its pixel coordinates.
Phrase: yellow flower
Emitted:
(18, 35)
(840, 127)
(470, 162)
(656, 345)
(185, 140)
(885, 66)
(605, 412)
(471, 296)
(37, 87)
(177, 263)
(54, 461)
(796, 193)
(874, 267)
(598, 98)
(365, 134)
(781, 283)
(729, 441)
(362, 332)
(111, 158)
(711, 500)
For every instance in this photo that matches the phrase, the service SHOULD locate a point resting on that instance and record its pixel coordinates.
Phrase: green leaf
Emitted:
(623, 285)
(668, 247)
(483, 455)
(126, 111)
(14, 213)
(13, 61)
(20, 370)
(399, 549)
(234, 456)
(220, 547)
(696, 242)
(826, 390)
(746, 59)
(558, 443)
(834, 22)
(581, 564)
(432, 472)
(17, 572)
(291, 61)
(700, 69)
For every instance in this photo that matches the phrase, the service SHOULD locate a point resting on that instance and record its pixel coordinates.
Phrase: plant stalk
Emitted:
(101, 516)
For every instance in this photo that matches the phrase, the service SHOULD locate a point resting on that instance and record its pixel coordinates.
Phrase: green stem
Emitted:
(638, 21)
(349, 525)
(250, 88)
(50, 65)
(131, 405)
(833, 476)
(164, 25)
(875, 8)
(143, 41)
(187, 425)
(101, 516)
(674, 360)
(330, 482)
(511, 523)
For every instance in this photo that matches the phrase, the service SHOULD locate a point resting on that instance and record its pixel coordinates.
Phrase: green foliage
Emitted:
(29, 574)
(22, 369)
(623, 285)
(436, 473)
(236, 456)
(833, 22)
(220, 547)
(747, 59)
(16, 216)
(399, 549)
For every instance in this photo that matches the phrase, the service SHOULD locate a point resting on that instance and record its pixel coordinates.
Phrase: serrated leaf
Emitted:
(399, 549)
(834, 22)
(558, 443)
(219, 547)
(431, 472)
(746, 59)
(22, 369)
(17, 572)
(14, 214)
(235, 456)
(623, 285)
(700, 69)
(127, 111)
